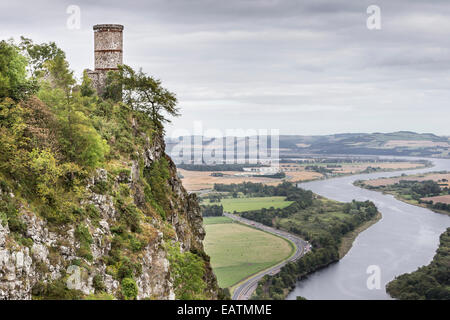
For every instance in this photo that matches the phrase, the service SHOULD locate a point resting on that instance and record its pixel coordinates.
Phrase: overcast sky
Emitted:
(304, 67)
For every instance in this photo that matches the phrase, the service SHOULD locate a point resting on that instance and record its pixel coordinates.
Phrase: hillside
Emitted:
(90, 204)
(402, 143)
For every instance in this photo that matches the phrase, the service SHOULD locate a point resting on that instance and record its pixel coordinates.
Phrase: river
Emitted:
(404, 239)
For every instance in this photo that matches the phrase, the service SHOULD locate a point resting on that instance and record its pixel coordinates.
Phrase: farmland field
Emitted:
(203, 180)
(247, 204)
(199, 180)
(438, 199)
(238, 251)
(435, 176)
(216, 220)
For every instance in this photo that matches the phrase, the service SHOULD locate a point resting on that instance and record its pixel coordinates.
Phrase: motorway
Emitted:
(245, 290)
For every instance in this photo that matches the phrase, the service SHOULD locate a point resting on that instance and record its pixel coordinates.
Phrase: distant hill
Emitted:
(402, 143)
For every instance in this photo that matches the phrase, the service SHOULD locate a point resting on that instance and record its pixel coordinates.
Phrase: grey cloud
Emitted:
(306, 67)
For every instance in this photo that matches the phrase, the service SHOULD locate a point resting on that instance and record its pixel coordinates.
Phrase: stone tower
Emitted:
(108, 52)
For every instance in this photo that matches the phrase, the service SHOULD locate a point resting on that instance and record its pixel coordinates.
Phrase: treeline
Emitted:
(437, 206)
(278, 175)
(277, 287)
(319, 169)
(212, 211)
(251, 189)
(320, 233)
(417, 189)
(217, 167)
(431, 282)
(427, 188)
(371, 169)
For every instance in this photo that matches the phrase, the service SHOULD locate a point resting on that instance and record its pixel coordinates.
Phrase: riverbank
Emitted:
(386, 244)
(349, 238)
(415, 203)
(405, 189)
(386, 170)
(429, 282)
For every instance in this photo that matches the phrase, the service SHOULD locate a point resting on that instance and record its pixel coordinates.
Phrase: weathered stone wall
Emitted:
(108, 52)
(108, 46)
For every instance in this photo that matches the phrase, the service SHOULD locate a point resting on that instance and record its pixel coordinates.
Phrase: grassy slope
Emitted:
(238, 251)
(248, 204)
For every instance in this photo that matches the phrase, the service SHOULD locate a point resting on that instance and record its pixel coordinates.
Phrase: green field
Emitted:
(248, 204)
(216, 220)
(238, 251)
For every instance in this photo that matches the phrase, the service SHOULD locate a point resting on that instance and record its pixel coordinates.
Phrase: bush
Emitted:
(158, 191)
(187, 270)
(98, 284)
(129, 214)
(83, 235)
(55, 290)
(129, 289)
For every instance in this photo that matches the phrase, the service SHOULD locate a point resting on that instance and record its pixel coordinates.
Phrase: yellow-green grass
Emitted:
(238, 251)
(248, 204)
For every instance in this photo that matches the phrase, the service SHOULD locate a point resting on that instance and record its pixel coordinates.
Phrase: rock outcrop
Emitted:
(53, 253)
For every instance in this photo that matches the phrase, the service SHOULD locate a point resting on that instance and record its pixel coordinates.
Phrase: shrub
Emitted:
(187, 271)
(157, 191)
(98, 284)
(129, 214)
(83, 235)
(129, 289)
(55, 290)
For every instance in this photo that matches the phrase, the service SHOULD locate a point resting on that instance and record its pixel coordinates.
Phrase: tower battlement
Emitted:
(108, 53)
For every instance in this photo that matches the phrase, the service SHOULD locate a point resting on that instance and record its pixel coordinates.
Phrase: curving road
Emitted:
(246, 288)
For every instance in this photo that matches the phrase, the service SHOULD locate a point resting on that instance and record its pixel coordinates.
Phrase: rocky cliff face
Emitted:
(94, 255)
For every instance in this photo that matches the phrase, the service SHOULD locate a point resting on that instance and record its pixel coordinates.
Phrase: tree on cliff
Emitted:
(13, 76)
(143, 93)
(39, 54)
(61, 146)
